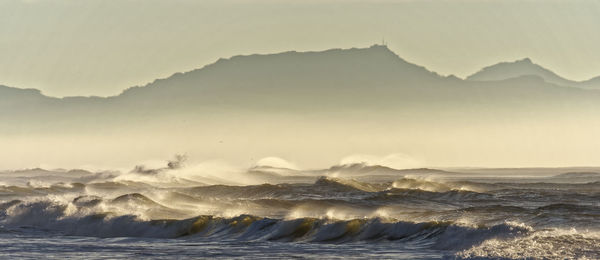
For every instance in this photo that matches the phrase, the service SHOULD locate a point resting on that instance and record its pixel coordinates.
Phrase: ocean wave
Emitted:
(439, 214)
(450, 196)
(436, 185)
(330, 187)
(340, 184)
(324, 187)
(544, 244)
(55, 217)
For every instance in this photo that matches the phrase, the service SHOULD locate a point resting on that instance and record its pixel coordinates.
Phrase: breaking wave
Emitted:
(461, 218)
(54, 217)
(547, 244)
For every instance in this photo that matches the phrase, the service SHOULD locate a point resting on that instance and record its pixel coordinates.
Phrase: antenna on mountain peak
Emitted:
(383, 41)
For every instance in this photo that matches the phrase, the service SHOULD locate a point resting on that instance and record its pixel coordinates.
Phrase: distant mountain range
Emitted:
(331, 81)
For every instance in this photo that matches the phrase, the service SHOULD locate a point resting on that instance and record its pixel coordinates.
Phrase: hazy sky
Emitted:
(100, 47)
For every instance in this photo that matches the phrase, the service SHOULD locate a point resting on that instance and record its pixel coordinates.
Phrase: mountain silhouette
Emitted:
(525, 67)
(346, 81)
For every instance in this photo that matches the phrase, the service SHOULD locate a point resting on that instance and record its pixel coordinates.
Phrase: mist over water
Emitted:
(276, 209)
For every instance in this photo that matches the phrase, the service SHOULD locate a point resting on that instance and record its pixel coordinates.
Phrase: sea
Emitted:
(355, 211)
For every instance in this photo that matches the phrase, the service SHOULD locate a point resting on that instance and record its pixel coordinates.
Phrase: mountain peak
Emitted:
(526, 68)
(518, 68)
(379, 47)
(525, 60)
(296, 71)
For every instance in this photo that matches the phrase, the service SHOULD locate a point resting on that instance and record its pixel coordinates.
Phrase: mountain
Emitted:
(346, 81)
(266, 81)
(591, 83)
(328, 78)
(578, 175)
(525, 67)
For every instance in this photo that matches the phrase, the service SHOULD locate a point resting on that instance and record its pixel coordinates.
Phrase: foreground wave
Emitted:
(440, 235)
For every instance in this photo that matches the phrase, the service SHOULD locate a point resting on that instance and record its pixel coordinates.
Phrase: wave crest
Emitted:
(54, 217)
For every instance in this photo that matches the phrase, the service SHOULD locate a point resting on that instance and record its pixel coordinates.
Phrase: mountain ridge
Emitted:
(524, 67)
(488, 73)
(346, 81)
(382, 49)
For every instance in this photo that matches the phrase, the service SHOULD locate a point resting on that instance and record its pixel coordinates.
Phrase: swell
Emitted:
(336, 188)
(52, 217)
(328, 187)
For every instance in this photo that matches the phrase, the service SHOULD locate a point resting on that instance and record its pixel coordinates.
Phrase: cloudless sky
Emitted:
(100, 47)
